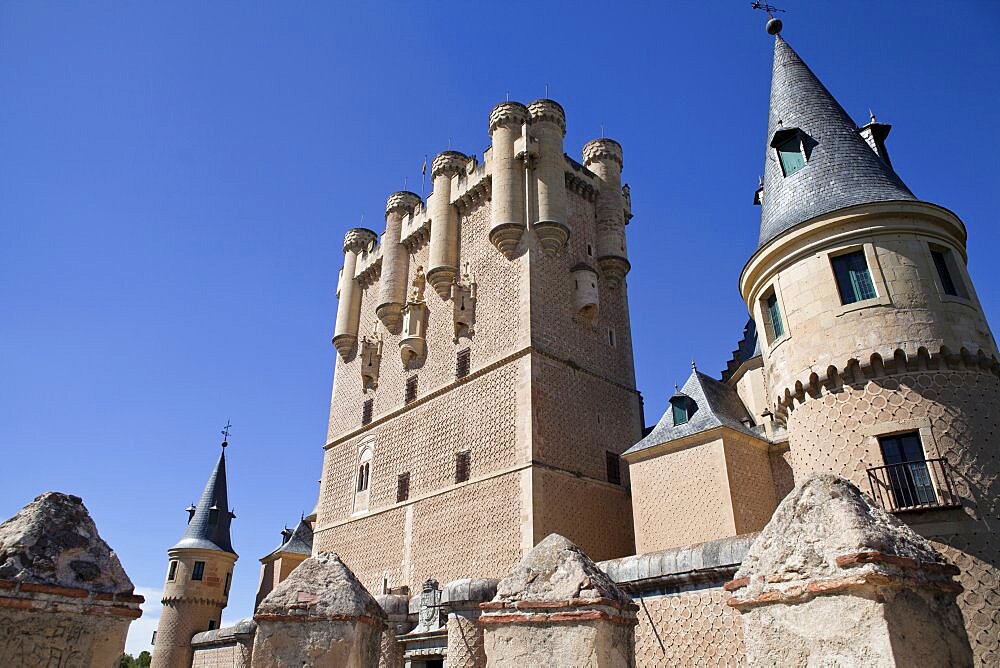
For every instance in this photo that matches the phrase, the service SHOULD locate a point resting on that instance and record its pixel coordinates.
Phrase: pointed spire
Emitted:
(840, 168)
(208, 525)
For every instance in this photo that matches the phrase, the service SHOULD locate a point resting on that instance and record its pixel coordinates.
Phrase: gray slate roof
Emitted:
(297, 541)
(746, 349)
(842, 170)
(717, 405)
(200, 532)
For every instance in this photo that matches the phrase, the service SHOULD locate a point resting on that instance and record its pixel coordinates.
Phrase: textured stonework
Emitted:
(693, 628)
(321, 615)
(228, 647)
(833, 579)
(557, 608)
(65, 600)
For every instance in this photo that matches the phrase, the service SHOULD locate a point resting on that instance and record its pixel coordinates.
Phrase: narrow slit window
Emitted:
(611, 337)
(211, 625)
(854, 280)
(366, 411)
(199, 570)
(225, 587)
(614, 468)
(463, 363)
(403, 487)
(462, 465)
(411, 389)
(947, 273)
(791, 156)
(774, 316)
(173, 571)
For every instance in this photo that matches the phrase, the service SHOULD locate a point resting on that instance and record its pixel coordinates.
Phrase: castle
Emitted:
(484, 395)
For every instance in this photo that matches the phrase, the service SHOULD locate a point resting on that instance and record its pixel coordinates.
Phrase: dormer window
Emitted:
(682, 407)
(213, 516)
(789, 144)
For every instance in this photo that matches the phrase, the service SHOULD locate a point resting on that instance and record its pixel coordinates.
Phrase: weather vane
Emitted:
(225, 433)
(765, 7)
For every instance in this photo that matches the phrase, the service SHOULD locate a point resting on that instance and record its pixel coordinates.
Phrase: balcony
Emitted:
(916, 485)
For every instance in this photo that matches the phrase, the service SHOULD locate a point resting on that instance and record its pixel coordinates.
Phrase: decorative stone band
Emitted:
(358, 239)
(614, 267)
(52, 598)
(508, 113)
(568, 610)
(854, 373)
(874, 569)
(403, 201)
(448, 163)
(581, 187)
(474, 196)
(600, 150)
(199, 600)
(545, 110)
(306, 617)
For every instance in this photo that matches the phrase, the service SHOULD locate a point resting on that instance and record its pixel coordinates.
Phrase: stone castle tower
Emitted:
(199, 573)
(474, 416)
(876, 354)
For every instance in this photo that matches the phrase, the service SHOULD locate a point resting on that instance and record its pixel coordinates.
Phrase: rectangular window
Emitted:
(948, 274)
(225, 587)
(411, 389)
(790, 155)
(679, 410)
(907, 470)
(611, 337)
(366, 411)
(463, 363)
(774, 317)
(211, 625)
(614, 468)
(462, 462)
(199, 570)
(854, 280)
(403, 487)
(173, 571)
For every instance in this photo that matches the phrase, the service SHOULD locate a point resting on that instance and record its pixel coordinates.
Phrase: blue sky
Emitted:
(176, 179)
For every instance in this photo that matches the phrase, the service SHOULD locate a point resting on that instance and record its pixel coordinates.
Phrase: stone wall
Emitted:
(228, 647)
(74, 636)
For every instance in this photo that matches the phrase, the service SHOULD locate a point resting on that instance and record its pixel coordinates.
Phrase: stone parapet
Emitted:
(602, 150)
(448, 163)
(508, 113)
(358, 239)
(546, 110)
(403, 201)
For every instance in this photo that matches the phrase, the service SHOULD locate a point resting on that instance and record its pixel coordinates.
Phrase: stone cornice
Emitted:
(53, 598)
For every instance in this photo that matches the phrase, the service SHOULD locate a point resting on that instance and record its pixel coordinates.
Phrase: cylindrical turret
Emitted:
(442, 267)
(509, 215)
(345, 334)
(586, 299)
(395, 260)
(548, 126)
(604, 158)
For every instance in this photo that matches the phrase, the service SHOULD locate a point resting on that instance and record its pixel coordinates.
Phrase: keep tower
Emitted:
(199, 573)
(484, 382)
(877, 355)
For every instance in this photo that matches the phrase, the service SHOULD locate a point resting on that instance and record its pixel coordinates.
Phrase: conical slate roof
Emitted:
(841, 169)
(297, 541)
(208, 527)
(715, 405)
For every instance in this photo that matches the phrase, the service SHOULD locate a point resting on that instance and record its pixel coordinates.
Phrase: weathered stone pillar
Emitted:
(64, 598)
(396, 608)
(834, 580)
(461, 598)
(557, 608)
(320, 616)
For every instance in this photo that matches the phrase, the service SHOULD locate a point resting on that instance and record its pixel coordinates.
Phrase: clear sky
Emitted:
(176, 179)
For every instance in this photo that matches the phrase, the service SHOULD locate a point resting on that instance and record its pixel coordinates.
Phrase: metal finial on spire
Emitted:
(694, 367)
(546, 91)
(602, 130)
(871, 114)
(225, 433)
(774, 24)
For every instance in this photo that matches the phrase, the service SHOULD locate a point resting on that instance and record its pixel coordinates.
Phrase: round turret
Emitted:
(395, 260)
(604, 158)
(442, 267)
(345, 335)
(548, 127)
(507, 171)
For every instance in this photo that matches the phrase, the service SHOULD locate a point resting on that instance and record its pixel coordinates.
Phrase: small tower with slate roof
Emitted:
(199, 573)
(876, 354)
(296, 547)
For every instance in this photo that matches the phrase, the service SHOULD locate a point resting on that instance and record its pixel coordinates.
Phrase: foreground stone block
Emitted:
(461, 599)
(65, 599)
(557, 608)
(321, 615)
(834, 580)
(230, 646)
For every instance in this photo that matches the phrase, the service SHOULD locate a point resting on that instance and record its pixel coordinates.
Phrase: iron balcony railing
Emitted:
(913, 485)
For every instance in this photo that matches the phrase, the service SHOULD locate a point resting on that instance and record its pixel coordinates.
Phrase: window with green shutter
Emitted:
(679, 408)
(774, 317)
(854, 280)
(791, 156)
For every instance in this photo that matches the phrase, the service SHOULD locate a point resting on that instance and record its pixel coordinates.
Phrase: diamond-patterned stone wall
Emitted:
(694, 628)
